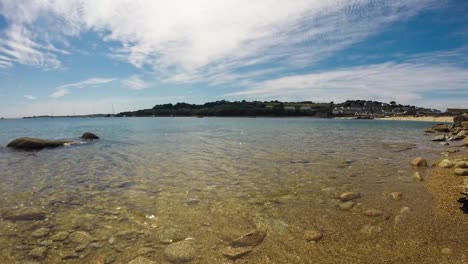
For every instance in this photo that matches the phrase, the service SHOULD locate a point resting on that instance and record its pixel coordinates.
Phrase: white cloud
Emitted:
(205, 40)
(135, 82)
(406, 82)
(17, 46)
(30, 97)
(66, 88)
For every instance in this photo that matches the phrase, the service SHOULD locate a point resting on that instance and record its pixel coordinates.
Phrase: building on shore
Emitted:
(457, 111)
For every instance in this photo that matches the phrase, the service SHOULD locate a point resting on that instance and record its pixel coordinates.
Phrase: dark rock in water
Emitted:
(235, 253)
(460, 118)
(441, 128)
(36, 143)
(89, 136)
(23, 214)
(251, 239)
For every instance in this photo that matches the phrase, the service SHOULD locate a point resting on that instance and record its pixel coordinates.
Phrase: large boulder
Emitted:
(36, 143)
(460, 118)
(441, 128)
(89, 136)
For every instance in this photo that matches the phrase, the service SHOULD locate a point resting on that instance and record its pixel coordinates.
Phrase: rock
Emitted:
(192, 201)
(396, 196)
(348, 196)
(402, 215)
(446, 164)
(441, 128)
(370, 229)
(438, 138)
(346, 206)
(460, 118)
(80, 238)
(60, 236)
(23, 214)
(446, 251)
(26, 143)
(312, 235)
(429, 130)
(465, 142)
(461, 172)
(38, 253)
(461, 165)
(180, 252)
(373, 212)
(41, 232)
(141, 260)
(233, 253)
(417, 177)
(89, 136)
(419, 162)
(250, 239)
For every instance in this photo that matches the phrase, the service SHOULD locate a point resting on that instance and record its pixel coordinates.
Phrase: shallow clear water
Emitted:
(152, 181)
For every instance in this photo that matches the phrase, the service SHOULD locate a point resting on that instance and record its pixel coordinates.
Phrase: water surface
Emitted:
(152, 181)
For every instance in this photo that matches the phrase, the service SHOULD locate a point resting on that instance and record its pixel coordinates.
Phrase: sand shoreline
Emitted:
(442, 119)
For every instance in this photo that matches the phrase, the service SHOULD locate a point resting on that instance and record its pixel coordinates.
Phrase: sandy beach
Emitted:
(442, 119)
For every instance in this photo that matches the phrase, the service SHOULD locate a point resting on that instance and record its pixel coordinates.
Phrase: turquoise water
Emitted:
(211, 180)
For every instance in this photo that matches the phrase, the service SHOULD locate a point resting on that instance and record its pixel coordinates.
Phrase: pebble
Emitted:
(81, 238)
(419, 162)
(233, 253)
(461, 172)
(41, 232)
(250, 239)
(402, 215)
(396, 195)
(348, 196)
(60, 236)
(180, 252)
(446, 251)
(141, 260)
(461, 165)
(312, 235)
(417, 176)
(373, 212)
(192, 201)
(370, 229)
(446, 164)
(38, 252)
(346, 206)
(24, 214)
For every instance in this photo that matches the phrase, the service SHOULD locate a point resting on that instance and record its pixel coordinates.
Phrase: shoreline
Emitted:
(442, 119)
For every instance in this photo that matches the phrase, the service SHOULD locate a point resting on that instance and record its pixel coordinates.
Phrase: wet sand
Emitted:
(442, 119)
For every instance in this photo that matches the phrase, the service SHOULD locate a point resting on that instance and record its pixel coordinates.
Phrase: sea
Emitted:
(152, 188)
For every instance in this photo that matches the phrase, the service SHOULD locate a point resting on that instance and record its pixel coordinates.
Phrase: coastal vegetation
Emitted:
(276, 108)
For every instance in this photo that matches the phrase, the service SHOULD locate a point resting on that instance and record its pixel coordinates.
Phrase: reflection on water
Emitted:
(152, 182)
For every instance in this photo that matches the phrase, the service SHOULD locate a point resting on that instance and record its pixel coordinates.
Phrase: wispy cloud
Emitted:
(135, 82)
(17, 46)
(66, 88)
(207, 40)
(406, 82)
(30, 97)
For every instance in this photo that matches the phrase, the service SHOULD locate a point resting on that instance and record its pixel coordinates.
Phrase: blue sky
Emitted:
(81, 57)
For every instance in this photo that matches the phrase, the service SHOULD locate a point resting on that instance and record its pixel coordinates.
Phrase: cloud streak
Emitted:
(65, 89)
(406, 82)
(203, 40)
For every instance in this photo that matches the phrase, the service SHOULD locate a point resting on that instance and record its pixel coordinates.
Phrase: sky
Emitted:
(84, 56)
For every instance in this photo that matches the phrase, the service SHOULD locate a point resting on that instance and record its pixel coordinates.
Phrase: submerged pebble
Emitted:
(348, 196)
(234, 253)
(313, 235)
(180, 252)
